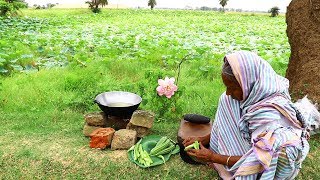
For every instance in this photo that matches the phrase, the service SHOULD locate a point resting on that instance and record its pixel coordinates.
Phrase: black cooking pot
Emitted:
(118, 103)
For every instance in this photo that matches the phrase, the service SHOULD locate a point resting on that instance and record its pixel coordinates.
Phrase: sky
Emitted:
(259, 5)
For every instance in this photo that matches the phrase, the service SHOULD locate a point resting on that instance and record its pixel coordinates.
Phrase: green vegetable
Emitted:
(195, 145)
(161, 146)
(136, 153)
(144, 157)
(166, 150)
(162, 140)
(132, 148)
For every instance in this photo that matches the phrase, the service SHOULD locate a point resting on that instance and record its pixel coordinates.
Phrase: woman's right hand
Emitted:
(202, 155)
(190, 140)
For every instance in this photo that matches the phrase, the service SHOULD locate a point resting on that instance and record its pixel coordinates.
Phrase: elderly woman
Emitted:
(256, 133)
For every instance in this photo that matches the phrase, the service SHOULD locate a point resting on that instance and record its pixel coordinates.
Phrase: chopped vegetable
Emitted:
(195, 145)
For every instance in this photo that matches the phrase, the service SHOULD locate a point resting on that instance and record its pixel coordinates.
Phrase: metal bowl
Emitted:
(118, 103)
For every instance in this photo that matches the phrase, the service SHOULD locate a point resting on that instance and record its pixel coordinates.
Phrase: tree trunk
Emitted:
(303, 30)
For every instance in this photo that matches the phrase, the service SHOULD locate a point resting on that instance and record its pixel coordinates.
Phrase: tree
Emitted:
(11, 7)
(50, 5)
(303, 25)
(152, 3)
(274, 11)
(223, 3)
(94, 5)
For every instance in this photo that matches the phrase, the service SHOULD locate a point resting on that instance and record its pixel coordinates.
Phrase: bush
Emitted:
(48, 6)
(94, 5)
(11, 7)
(274, 11)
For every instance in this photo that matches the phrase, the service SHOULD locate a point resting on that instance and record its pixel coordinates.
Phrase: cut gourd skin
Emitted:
(195, 145)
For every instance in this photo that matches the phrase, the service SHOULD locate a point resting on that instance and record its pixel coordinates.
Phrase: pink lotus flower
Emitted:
(166, 87)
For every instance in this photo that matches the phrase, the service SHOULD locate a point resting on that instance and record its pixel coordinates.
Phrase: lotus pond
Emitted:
(54, 62)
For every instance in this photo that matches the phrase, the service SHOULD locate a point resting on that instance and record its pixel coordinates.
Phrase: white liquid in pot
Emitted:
(120, 104)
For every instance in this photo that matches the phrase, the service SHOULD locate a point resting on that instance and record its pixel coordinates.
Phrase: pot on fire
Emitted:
(118, 103)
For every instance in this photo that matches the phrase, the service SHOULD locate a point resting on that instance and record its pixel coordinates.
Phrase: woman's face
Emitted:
(233, 88)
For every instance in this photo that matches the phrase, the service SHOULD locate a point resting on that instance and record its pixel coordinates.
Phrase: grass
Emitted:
(41, 112)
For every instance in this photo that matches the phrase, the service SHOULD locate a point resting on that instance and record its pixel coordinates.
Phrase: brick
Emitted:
(101, 138)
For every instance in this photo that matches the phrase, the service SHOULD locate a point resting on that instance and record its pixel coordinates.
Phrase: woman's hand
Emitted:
(190, 140)
(203, 154)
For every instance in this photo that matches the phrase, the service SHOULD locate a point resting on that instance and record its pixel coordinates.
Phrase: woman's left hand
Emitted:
(203, 154)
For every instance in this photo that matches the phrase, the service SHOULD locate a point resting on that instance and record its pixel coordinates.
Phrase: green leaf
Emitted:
(3, 71)
(40, 49)
(17, 67)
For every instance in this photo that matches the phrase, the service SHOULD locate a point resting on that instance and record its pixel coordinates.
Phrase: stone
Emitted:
(116, 122)
(101, 138)
(142, 118)
(141, 131)
(123, 139)
(303, 30)
(87, 129)
(96, 119)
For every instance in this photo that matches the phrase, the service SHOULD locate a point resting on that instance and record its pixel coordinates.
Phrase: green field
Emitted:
(54, 62)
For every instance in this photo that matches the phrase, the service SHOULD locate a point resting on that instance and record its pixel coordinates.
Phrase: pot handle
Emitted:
(95, 101)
